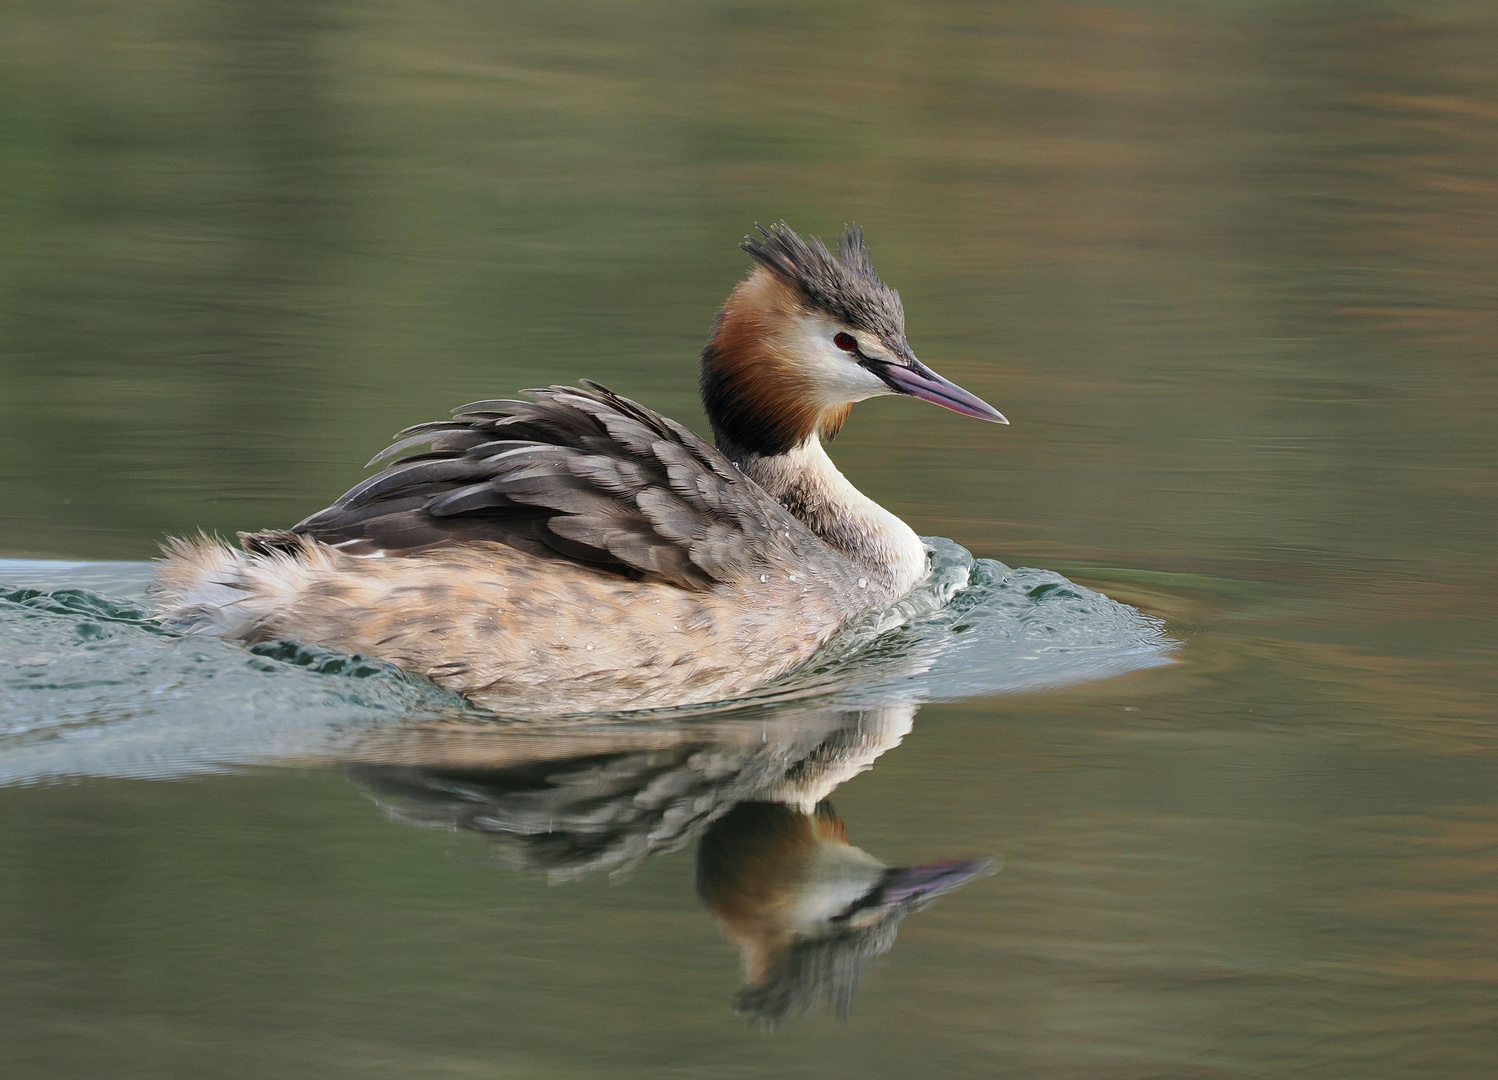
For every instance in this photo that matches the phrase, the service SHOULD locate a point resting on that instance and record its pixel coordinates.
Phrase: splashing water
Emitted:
(978, 627)
(89, 686)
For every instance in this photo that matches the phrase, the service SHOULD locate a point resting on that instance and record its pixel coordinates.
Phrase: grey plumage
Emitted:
(604, 798)
(579, 552)
(577, 474)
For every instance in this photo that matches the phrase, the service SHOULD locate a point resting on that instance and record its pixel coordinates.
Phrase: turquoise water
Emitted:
(92, 687)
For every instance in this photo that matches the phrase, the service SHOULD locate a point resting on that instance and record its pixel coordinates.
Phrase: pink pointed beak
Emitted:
(919, 381)
(912, 884)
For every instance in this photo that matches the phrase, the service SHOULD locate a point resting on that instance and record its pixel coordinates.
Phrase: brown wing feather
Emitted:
(578, 474)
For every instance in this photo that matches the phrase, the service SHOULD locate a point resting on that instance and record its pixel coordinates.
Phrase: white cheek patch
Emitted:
(839, 378)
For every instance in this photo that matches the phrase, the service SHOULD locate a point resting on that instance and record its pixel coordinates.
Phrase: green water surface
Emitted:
(1229, 268)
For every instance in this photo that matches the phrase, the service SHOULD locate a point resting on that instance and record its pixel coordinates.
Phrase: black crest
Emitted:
(844, 286)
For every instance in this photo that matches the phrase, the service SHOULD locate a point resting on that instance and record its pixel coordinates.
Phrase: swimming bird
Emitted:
(580, 552)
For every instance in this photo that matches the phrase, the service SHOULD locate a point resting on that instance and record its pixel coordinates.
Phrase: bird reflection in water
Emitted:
(805, 908)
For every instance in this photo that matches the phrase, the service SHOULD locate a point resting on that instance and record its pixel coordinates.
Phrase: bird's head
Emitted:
(805, 907)
(802, 338)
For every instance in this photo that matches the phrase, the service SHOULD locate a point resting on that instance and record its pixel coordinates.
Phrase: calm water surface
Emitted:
(1228, 268)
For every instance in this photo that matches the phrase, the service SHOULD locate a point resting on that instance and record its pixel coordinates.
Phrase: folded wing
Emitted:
(578, 474)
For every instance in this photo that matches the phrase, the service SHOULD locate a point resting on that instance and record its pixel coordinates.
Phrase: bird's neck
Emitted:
(806, 482)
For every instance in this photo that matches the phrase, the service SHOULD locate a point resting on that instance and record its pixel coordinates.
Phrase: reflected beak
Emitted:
(919, 381)
(912, 884)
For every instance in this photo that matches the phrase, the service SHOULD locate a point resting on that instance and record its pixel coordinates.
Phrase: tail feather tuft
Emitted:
(200, 587)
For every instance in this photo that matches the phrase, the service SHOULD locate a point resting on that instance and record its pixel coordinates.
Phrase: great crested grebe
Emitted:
(581, 552)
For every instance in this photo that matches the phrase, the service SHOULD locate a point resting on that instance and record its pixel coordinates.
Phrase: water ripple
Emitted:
(89, 686)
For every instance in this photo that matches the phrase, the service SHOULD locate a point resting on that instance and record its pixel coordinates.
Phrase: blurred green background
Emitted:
(1230, 270)
(1229, 266)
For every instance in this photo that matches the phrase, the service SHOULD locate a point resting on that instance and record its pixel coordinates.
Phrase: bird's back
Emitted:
(570, 554)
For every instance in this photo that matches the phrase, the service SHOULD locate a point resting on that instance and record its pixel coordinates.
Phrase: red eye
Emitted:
(845, 342)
